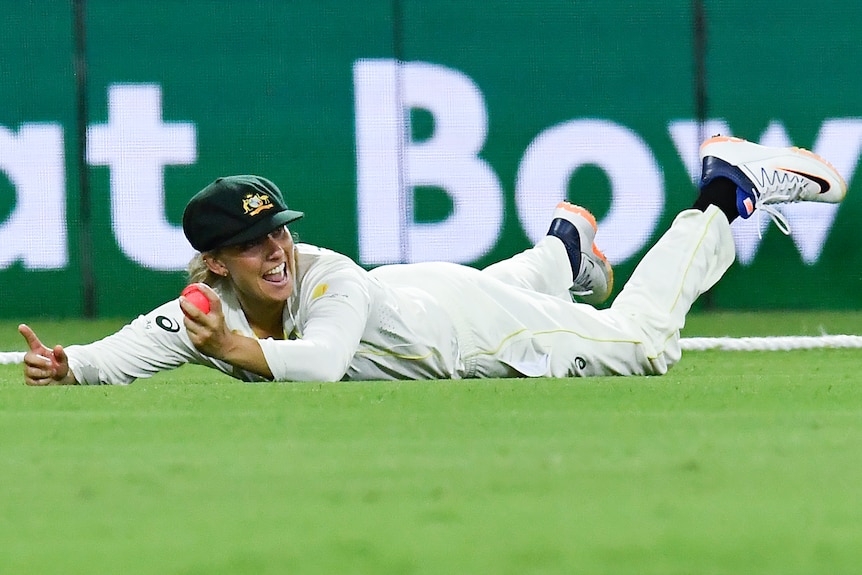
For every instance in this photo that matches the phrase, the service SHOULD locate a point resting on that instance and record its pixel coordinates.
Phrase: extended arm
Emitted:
(149, 344)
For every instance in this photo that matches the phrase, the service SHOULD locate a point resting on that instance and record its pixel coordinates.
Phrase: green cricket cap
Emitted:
(233, 210)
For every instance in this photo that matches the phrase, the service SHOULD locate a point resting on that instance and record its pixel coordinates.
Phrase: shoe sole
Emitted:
(591, 219)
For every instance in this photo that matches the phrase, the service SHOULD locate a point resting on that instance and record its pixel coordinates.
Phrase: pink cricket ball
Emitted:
(197, 297)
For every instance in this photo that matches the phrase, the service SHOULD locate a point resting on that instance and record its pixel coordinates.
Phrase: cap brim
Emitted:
(263, 227)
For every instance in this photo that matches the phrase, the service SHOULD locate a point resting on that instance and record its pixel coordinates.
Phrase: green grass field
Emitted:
(737, 463)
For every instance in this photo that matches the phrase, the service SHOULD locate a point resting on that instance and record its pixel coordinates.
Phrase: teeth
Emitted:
(276, 270)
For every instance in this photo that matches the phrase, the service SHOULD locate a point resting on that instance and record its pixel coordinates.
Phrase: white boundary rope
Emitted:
(776, 343)
(11, 357)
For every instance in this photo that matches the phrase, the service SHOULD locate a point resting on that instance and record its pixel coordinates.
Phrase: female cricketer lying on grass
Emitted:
(294, 312)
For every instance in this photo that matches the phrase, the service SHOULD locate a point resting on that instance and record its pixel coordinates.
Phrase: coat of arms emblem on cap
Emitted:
(253, 204)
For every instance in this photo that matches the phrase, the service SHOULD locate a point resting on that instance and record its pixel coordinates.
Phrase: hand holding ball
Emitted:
(196, 297)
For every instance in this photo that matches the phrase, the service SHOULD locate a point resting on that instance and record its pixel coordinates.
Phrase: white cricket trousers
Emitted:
(516, 318)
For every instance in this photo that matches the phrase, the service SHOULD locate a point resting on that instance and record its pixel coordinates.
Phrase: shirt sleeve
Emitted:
(334, 310)
(151, 343)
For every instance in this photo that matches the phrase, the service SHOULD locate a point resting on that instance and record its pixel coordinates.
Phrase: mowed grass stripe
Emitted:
(732, 463)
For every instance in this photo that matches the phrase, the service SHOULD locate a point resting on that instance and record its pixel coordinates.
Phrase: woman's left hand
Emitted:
(208, 331)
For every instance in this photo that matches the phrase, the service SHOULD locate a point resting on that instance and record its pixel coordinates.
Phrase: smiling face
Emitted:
(260, 270)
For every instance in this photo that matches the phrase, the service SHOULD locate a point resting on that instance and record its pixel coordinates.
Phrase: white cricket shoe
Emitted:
(592, 273)
(765, 175)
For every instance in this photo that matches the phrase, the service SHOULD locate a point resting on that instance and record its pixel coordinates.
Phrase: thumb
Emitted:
(32, 341)
(61, 361)
(210, 293)
(60, 355)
